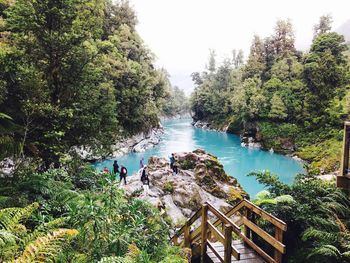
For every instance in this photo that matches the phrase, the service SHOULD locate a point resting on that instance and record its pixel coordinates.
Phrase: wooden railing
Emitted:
(247, 215)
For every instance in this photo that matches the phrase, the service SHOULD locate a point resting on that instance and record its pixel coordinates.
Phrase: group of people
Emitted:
(143, 171)
(122, 173)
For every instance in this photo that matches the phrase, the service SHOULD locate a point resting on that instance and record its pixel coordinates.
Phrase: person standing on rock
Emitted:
(145, 181)
(172, 161)
(173, 165)
(123, 174)
(175, 169)
(115, 167)
(142, 163)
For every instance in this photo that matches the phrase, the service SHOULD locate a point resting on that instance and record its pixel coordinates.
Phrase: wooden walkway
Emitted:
(216, 237)
(248, 255)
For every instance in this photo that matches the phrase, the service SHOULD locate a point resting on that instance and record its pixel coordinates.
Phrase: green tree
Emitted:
(278, 109)
(325, 73)
(324, 25)
(256, 60)
(211, 62)
(283, 38)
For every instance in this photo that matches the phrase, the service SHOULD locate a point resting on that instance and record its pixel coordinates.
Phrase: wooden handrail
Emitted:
(228, 226)
(272, 219)
(191, 221)
(215, 252)
(264, 235)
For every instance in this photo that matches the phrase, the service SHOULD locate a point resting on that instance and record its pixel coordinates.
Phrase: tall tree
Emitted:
(237, 58)
(324, 25)
(325, 72)
(211, 66)
(278, 109)
(256, 60)
(283, 38)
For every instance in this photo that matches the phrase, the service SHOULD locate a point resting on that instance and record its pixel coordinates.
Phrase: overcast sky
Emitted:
(181, 32)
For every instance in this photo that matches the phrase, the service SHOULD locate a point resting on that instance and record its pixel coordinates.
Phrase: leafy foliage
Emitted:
(21, 245)
(317, 215)
(80, 198)
(46, 247)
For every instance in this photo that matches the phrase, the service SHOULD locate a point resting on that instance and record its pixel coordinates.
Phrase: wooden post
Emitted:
(345, 157)
(252, 233)
(228, 244)
(187, 235)
(175, 240)
(279, 237)
(247, 231)
(343, 180)
(204, 233)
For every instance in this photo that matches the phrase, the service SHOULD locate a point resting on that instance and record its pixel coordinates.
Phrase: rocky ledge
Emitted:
(201, 178)
(137, 143)
(202, 124)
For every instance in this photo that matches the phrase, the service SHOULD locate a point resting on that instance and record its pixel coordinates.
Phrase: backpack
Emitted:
(123, 170)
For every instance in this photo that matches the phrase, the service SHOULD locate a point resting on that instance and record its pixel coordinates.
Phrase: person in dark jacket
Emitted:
(142, 163)
(115, 167)
(172, 161)
(123, 174)
(145, 180)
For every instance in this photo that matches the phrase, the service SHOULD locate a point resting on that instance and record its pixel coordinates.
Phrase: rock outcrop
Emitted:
(201, 178)
(137, 143)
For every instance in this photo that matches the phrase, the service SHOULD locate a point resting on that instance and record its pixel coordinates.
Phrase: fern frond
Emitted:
(10, 217)
(315, 234)
(7, 238)
(326, 251)
(43, 229)
(5, 116)
(46, 247)
(109, 260)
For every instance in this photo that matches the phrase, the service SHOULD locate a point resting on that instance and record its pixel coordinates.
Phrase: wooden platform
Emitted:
(247, 254)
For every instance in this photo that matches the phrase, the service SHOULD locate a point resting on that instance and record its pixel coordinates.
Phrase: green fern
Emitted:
(46, 248)
(43, 229)
(7, 239)
(326, 251)
(110, 260)
(11, 217)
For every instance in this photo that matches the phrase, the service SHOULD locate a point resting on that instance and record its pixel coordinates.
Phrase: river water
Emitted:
(238, 161)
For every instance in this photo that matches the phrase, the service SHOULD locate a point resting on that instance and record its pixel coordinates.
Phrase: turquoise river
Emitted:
(238, 161)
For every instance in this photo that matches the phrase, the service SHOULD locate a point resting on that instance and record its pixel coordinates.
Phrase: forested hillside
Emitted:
(74, 73)
(289, 100)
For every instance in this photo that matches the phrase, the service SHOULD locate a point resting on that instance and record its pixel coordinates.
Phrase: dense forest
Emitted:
(291, 101)
(75, 73)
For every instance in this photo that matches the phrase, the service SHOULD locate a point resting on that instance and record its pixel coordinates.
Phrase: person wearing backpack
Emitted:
(123, 174)
(145, 180)
(115, 167)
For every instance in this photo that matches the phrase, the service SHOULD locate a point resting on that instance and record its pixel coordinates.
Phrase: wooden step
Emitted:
(247, 254)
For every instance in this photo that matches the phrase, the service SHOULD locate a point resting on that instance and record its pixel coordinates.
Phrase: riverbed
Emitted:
(180, 135)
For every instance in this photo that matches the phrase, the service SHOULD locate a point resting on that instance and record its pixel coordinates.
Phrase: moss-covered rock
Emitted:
(201, 178)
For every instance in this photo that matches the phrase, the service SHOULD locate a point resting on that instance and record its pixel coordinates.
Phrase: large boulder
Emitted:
(201, 178)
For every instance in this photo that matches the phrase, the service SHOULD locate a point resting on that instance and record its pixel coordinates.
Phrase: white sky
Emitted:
(181, 32)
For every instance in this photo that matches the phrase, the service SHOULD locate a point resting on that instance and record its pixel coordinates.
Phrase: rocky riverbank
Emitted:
(248, 139)
(201, 178)
(137, 143)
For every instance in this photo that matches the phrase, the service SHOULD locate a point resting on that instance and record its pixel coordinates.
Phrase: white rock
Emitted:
(172, 210)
